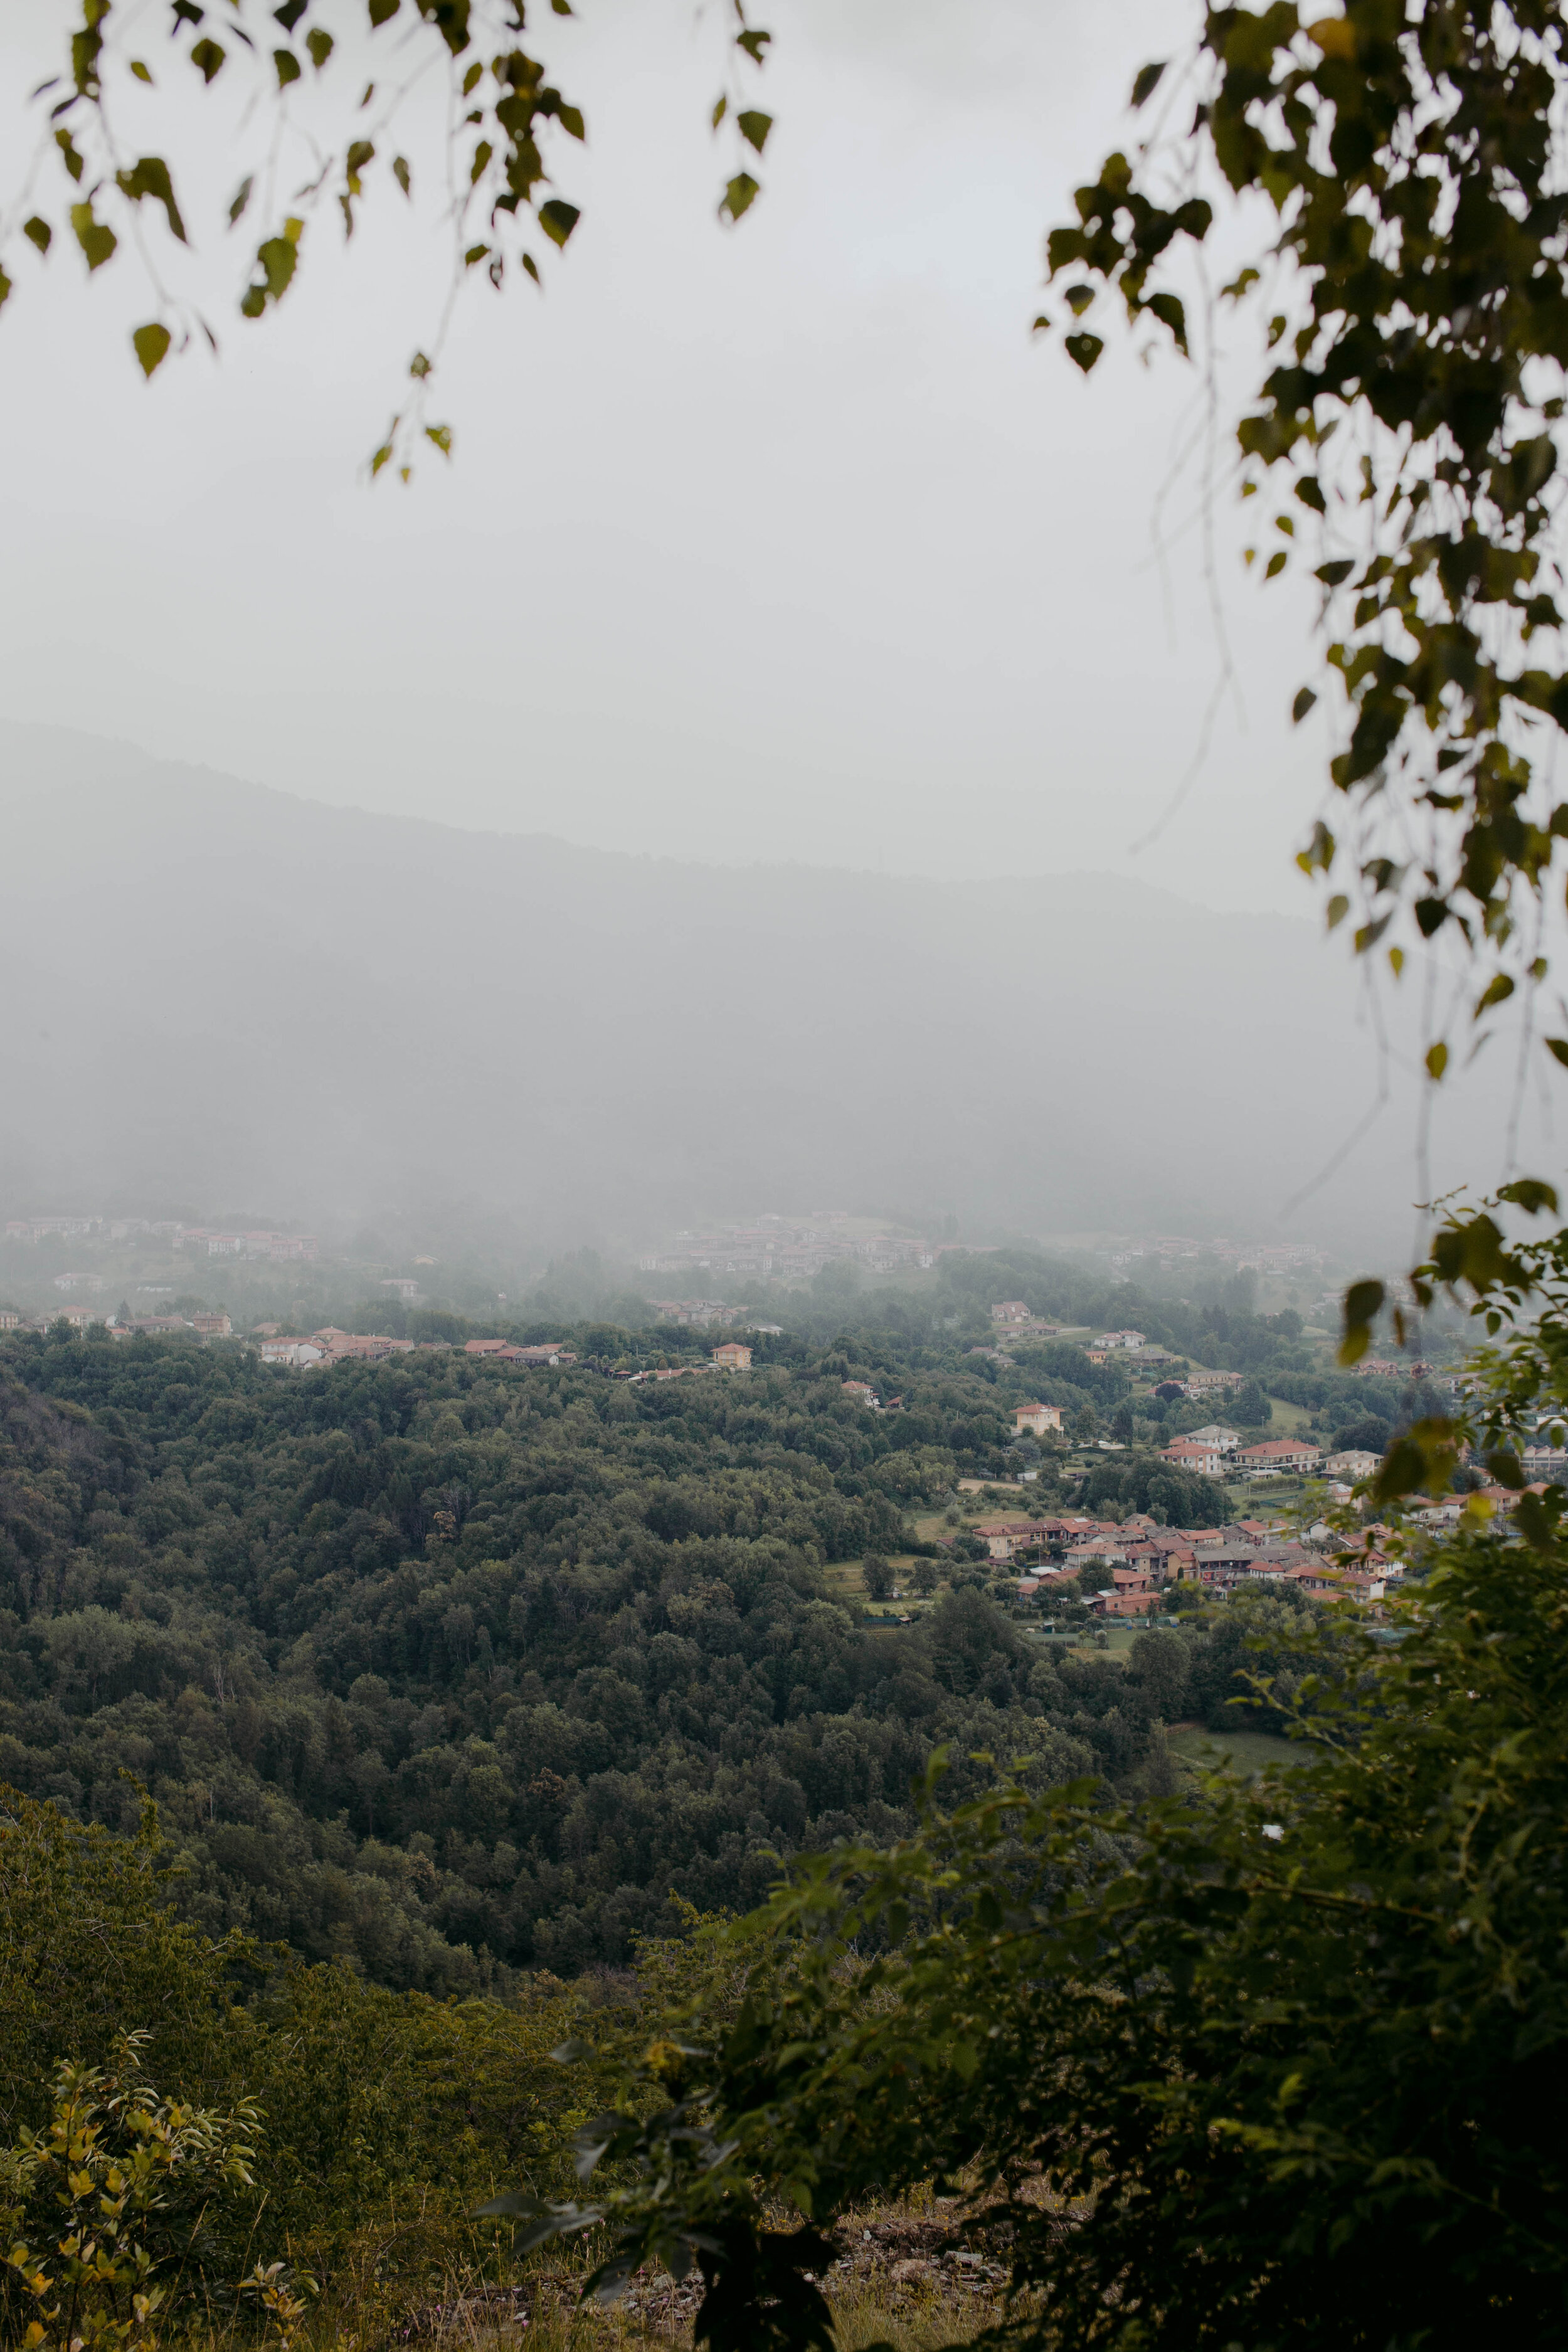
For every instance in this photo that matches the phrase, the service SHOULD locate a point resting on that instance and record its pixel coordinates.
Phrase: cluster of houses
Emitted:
(1265, 1257)
(83, 1319)
(319, 1351)
(731, 1357)
(1219, 1451)
(330, 1346)
(1014, 1321)
(789, 1246)
(1136, 1560)
(200, 1241)
(699, 1314)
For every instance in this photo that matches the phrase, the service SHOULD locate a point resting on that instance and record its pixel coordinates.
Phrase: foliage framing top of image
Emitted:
(1420, 329)
(504, 110)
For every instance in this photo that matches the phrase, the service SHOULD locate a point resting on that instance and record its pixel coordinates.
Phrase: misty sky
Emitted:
(784, 543)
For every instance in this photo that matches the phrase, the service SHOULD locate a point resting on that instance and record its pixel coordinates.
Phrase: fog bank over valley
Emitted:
(219, 992)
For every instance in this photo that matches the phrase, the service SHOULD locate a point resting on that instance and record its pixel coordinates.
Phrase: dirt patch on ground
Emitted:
(912, 2265)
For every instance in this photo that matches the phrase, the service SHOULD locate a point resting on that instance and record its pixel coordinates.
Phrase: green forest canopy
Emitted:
(463, 1668)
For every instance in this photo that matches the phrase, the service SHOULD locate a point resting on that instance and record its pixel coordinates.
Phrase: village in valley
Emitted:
(1290, 1515)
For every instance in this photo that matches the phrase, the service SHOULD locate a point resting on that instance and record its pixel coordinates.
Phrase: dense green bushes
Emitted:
(376, 2112)
(1269, 2063)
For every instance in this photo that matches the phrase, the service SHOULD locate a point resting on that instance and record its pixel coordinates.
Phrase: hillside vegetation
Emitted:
(461, 1669)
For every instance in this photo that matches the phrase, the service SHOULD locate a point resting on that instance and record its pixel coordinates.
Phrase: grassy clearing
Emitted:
(863, 2320)
(1244, 1752)
(1287, 1420)
(904, 2279)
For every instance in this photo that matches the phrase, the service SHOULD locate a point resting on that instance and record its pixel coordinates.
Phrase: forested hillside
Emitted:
(458, 1667)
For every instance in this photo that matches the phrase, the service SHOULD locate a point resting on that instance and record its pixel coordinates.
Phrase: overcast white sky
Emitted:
(779, 543)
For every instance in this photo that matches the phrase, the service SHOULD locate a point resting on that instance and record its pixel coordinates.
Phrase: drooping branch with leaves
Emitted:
(506, 121)
(1413, 286)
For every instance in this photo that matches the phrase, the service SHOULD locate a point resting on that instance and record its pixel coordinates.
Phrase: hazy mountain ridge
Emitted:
(219, 989)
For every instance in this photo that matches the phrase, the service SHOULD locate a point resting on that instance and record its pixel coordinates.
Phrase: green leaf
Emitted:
(1420, 1461)
(151, 344)
(1436, 1061)
(1402, 1472)
(475, 255)
(1558, 1047)
(277, 257)
(96, 238)
(721, 108)
(381, 12)
(1310, 490)
(290, 14)
(472, 79)
(207, 59)
(1276, 563)
(1529, 1193)
(754, 128)
(1538, 1518)
(5, 288)
(288, 65)
(400, 171)
(419, 367)
(1331, 574)
(1471, 1250)
(1169, 310)
(242, 197)
(514, 2204)
(442, 436)
(319, 45)
(1497, 991)
(1363, 1304)
(754, 43)
(1084, 349)
(1305, 699)
(738, 196)
(38, 232)
(150, 178)
(558, 220)
(140, 70)
(1147, 83)
(1339, 908)
(1320, 851)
